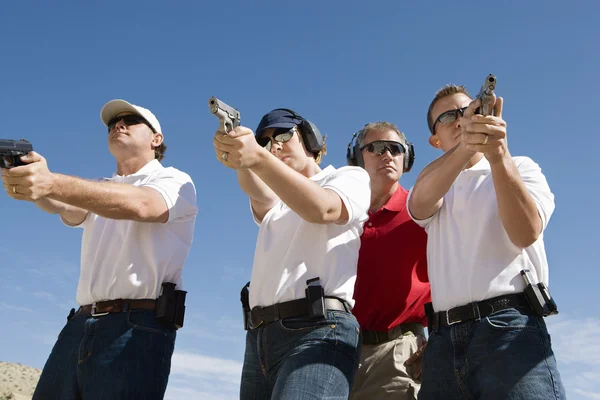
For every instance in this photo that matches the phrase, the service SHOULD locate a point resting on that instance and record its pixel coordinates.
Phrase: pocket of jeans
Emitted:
(511, 319)
(143, 322)
(304, 324)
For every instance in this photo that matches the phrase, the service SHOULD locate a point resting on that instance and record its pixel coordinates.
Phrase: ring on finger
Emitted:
(224, 156)
(15, 189)
(485, 140)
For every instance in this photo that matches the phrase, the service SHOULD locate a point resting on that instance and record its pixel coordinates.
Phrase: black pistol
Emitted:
(11, 152)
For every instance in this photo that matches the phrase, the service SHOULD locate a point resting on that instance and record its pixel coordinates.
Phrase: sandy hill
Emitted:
(17, 382)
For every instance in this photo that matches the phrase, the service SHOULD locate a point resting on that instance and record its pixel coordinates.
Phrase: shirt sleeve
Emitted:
(537, 186)
(81, 225)
(179, 193)
(353, 185)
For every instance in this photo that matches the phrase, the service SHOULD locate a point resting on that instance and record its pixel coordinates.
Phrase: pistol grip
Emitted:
(224, 126)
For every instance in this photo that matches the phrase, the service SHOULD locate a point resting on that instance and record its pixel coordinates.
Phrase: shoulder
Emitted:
(172, 173)
(350, 171)
(524, 162)
(527, 167)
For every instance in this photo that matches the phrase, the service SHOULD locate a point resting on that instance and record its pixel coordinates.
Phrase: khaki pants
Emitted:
(382, 374)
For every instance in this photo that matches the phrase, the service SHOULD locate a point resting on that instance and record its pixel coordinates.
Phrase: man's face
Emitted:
(131, 133)
(287, 145)
(386, 167)
(447, 134)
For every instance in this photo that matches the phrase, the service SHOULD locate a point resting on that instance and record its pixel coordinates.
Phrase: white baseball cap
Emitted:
(114, 107)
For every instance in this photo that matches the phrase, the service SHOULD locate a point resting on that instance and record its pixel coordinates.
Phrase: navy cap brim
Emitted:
(287, 125)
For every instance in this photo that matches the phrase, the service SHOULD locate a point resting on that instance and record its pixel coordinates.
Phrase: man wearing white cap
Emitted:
(137, 231)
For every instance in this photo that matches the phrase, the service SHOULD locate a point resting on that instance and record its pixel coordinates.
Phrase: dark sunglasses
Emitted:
(380, 146)
(448, 117)
(265, 141)
(128, 120)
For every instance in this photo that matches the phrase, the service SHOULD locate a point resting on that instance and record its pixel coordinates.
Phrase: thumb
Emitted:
(470, 111)
(31, 157)
(240, 131)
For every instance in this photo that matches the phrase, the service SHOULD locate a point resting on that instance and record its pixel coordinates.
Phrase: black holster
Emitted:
(245, 299)
(170, 307)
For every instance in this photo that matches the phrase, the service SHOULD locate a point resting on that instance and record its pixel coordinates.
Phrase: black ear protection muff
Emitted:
(313, 140)
(354, 153)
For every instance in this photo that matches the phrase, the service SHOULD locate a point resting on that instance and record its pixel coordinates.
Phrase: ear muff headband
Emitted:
(313, 140)
(354, 154)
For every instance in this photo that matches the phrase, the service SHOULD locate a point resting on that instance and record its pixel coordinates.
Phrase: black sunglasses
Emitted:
(380, 146)
(448, 117)
(265, 141)
(128, 120)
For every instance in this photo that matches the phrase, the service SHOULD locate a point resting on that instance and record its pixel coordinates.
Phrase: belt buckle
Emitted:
(93, 313)
(448, 320)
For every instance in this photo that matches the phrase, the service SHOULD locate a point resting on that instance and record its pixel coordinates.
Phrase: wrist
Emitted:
(260, 161)
(500, 160)
(53, 185)
(463, 151)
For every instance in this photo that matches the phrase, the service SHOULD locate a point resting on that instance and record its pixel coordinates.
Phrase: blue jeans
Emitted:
(116, 356)
(505, 356)
(300, 359)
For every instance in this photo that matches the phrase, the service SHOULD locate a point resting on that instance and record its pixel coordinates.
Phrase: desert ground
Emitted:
(17, 382)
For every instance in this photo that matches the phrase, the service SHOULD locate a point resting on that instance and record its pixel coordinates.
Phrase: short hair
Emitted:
(378, 126)
(447, 90)
(159, 152)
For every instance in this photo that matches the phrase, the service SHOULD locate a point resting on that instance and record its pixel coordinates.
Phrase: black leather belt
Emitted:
(475, 310)
(116, 306)
(290, 309)
(377, 337)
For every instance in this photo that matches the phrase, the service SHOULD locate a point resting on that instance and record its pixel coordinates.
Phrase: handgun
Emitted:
(229, 117)
(11, 152)
(538, 296)
(486, 95)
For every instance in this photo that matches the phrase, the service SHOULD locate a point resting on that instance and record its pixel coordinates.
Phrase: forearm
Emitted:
(108, 199)
(70, 214)
(309, 200)
(255, 188)
(517, 209)
(435, 180)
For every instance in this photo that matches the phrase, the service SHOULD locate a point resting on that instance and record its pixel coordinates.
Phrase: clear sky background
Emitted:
(339, 63)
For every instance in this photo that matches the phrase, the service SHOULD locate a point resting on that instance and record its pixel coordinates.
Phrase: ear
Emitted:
(434, 141)
(157, 139)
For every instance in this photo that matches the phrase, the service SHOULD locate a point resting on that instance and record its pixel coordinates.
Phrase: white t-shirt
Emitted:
(470, 256)
(289, 250)
(124, 259)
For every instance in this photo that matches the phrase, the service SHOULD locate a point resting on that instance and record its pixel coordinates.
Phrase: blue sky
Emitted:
(340, 64)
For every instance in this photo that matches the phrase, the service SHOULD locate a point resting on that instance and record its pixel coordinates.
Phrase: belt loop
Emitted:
(125, 306)
(476, 312)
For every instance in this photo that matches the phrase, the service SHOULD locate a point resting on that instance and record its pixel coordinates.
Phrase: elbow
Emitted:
(316, 218)
(319, 216)
(418, 209)
(525, 239)
(144, 212)
(526, 235)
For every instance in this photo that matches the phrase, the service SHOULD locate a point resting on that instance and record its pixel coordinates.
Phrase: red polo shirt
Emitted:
(391, 283)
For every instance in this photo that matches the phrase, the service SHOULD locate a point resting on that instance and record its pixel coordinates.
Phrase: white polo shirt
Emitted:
(289, 250)
(124, 259)
(470, 256)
